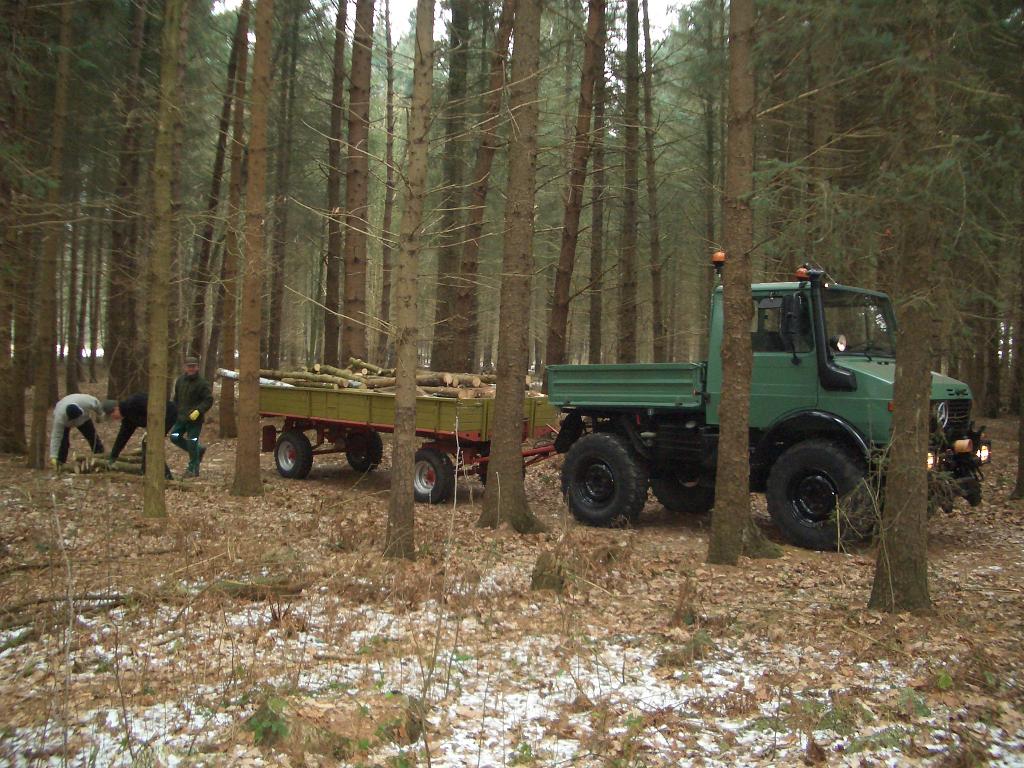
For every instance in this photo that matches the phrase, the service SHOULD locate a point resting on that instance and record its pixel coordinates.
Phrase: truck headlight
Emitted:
(931, 460)
(983, 453)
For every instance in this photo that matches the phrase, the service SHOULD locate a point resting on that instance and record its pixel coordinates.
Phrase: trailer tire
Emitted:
(364, 450)
(293, 455)
(433, 476)
(603, 481)
(677, 495)
(818, 496)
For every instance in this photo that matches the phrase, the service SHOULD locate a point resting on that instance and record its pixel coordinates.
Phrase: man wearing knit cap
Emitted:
(77, 410)
(193, 397)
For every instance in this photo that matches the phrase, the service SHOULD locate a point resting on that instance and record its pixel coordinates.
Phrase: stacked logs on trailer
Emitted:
(363, 375)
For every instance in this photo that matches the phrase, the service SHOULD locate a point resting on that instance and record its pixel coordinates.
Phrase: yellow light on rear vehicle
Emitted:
(931, 460)
(982, 453)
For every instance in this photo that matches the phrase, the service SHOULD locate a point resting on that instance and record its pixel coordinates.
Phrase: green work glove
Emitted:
(194, 415)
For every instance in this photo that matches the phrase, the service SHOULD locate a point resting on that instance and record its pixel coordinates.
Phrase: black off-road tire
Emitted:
(603, 481)
(433, 476)
(678, 496)
(364, 450)
(293, 455)
(819, 497)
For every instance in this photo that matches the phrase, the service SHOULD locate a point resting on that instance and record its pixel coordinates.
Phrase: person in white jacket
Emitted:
(77, 410)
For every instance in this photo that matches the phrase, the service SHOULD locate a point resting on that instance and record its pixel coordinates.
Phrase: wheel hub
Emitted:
(598, 482)
(425, 478)
(816, 498)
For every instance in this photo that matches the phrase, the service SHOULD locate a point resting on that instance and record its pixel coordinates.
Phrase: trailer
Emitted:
(457, 433)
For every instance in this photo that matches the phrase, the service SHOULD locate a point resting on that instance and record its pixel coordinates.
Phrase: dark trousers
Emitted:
(88, 431)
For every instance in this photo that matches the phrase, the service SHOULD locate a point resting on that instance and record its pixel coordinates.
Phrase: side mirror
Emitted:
(792, 311)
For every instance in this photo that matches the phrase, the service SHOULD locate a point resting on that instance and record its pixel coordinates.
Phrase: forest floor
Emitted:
(269, 631)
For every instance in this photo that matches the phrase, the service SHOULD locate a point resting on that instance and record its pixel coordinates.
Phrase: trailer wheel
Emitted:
(679, 495)
(433, 476)
(818, 496)
(364, 450)
(603, 481)
(293, 455)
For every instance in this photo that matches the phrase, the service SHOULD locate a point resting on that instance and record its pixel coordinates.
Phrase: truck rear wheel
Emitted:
(602, 480)
(364, 450)
(293, 455)
(433, 476)
(818, 496)
(678, 495)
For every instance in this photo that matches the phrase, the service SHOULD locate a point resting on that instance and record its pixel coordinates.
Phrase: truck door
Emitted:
(785, 376)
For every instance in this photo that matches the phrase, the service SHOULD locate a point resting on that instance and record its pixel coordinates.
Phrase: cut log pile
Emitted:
(363, 375)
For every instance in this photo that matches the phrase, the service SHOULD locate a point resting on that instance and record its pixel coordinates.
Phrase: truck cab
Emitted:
(820, 418)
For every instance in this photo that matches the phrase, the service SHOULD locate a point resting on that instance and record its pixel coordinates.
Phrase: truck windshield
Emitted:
(865, 320)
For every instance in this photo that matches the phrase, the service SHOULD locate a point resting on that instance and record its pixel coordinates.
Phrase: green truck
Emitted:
(820, 419)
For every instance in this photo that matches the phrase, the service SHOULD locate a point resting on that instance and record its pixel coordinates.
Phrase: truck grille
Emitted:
(959, 416)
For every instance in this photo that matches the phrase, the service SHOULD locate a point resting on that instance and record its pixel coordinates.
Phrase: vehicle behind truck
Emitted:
(820, 419)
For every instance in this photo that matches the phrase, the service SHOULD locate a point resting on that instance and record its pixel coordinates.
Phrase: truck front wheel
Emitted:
(818, 496)
(602, 481)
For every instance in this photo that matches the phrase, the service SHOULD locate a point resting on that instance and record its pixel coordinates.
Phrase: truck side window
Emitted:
(766, 328)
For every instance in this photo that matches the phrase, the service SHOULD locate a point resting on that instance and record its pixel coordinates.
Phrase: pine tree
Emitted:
(247, 480)
(46, 280)
(335, 213)
(505, 497)
(357, 220)
(401, 541)
(160, 259)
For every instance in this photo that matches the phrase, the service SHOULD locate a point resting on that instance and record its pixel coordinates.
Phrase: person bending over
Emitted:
(133, 414)
(77, 410)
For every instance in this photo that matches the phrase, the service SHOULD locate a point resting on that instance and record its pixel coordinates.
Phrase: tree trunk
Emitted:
(401, 541)
(387, 237)
(226, 323)
(597, 210)
(85, 267)
(467, 293)
(247, 452)
(631, 119)
(505, 496)
(704, 284)
(657, 311)
(95, 303)
(1017, 404)
(160, 259)
(71, 328)
(901, 564)
(559, 319)
(282, 176)
(357, 217)
(332, 305)
(12, 261)
(442, 347)
(732, 530)
(119, 350)
(201, 272)
(46, 282)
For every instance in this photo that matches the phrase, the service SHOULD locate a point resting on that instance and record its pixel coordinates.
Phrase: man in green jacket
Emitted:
(193, 398)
